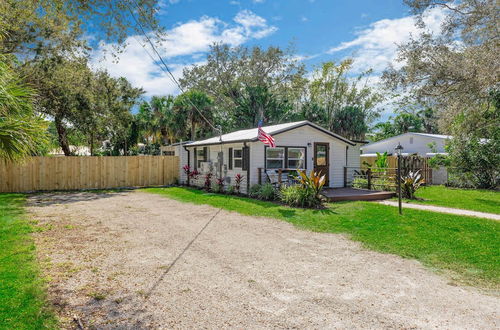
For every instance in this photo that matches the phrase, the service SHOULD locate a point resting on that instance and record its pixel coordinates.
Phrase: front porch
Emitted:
(353, 194)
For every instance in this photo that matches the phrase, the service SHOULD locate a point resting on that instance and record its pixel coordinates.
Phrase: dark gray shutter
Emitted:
(230, 158)
(195, 157)
(205, 154)
(246, 158)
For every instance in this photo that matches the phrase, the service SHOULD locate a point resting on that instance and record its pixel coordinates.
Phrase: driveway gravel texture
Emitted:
(134, 260)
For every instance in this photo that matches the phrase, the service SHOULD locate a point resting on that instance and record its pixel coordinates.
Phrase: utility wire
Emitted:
(165, 67)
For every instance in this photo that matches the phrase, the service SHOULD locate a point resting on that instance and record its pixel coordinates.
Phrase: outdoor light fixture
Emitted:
(309, 144)
(399, 152)
(399, 149)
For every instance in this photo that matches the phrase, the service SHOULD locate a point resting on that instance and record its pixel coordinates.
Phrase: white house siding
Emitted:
(183, 157)
(300, 137)
(353, 160)
(213, 151)
(412, 143)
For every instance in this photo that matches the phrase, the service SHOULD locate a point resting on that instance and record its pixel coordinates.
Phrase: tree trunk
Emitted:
(193, 130)
(62, 136)
(92, 144)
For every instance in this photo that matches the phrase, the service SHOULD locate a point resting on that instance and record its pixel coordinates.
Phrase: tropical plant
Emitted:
(238, 179)
(314, 181)
(208, 180)
(188, 107)
(410, 183)
(381, 162)
(298, 195)
(219, 182)
(22, 132)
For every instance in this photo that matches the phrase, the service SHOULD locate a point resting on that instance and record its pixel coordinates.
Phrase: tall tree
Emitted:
(248, 78)
(33, 26)
(457, 68)
(189, 105)
(64, 90)
(338, 96)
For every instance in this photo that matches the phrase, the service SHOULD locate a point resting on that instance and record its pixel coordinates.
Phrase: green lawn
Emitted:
(467, 199)
(467, 249)
(22, 296)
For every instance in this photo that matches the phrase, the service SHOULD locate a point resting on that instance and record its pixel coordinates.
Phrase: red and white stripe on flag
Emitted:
(267, 139)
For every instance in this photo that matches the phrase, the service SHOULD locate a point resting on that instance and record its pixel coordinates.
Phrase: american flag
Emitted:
(264, 137)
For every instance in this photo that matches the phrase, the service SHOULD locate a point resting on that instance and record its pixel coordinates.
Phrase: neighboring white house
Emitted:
(412, 143)
(299, 145)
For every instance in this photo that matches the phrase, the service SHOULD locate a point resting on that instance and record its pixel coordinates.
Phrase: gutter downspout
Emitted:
(248, 168)
(189, 161)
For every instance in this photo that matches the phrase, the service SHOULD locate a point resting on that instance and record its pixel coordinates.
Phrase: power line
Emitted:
(165, 67)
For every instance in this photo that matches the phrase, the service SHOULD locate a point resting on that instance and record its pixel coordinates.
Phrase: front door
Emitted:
(321, 160)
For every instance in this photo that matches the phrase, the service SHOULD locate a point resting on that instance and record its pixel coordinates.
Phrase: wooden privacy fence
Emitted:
(408, 163)
(74, 173)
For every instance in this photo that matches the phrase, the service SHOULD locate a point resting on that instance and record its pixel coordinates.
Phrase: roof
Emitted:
(248, 135)
(436, 136)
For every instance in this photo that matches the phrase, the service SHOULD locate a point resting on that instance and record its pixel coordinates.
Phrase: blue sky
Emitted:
(320, 30)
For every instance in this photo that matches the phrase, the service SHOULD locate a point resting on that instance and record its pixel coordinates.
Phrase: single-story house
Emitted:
(299, 145)
(413, 144)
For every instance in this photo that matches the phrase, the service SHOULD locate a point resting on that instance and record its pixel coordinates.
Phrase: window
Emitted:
(238, 158)
(286, 157)
(275, 157)
(169, 153)
(321, 157)
(200, 156)
(296, 158)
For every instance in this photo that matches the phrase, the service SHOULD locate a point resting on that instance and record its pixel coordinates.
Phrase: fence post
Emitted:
(345, 177)
(369, 174)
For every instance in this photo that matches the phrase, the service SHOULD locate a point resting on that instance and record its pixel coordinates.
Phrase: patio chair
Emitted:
(273, 177)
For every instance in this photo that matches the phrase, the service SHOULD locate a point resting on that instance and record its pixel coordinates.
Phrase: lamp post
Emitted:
(399, 151)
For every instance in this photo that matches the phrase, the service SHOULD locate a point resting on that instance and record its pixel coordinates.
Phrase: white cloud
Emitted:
(376, 46)
(258, 1)
(189, 40)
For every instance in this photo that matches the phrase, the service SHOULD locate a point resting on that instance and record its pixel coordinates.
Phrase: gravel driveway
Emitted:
(108, 257)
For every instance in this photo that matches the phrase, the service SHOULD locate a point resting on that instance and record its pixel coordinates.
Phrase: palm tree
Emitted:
(22, 132)
(188, 107)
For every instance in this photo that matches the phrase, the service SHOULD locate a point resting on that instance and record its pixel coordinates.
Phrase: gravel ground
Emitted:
(108, 256)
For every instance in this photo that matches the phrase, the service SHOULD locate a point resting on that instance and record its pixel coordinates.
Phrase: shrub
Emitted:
(254, 191)
(360, 183)
(219, 182)
(314, 181)
(208, 180)
(410, 183)
(231, 190)
(238, 178)
(299, 195)
(267, 192)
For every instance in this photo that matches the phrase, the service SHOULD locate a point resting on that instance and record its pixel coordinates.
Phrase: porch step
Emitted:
(352, 194)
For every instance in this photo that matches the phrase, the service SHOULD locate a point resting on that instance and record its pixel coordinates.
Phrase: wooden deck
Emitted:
(353, 194)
